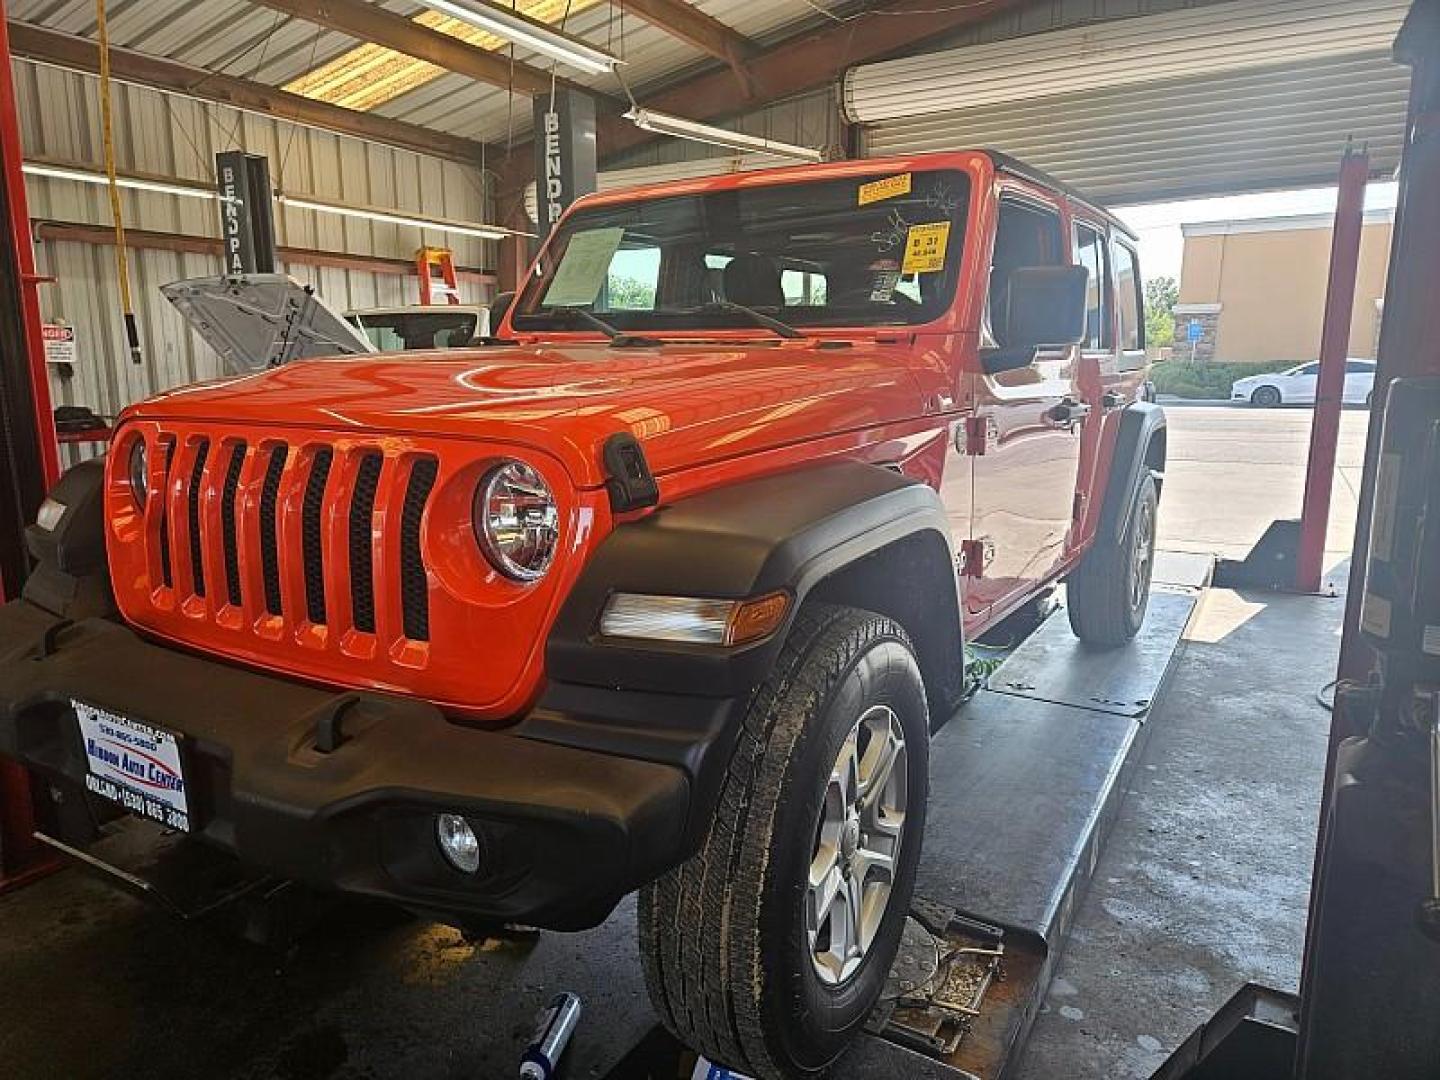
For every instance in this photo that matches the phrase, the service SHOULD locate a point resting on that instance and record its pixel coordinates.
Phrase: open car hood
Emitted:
(259, 321)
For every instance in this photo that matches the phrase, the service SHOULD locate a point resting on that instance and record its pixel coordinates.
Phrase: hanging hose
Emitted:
(107, 133)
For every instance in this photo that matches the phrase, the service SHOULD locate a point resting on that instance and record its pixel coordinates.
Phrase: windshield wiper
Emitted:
(759, 318)
(618, 339)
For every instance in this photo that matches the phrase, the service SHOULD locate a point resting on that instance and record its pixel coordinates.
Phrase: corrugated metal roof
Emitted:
(259, 44)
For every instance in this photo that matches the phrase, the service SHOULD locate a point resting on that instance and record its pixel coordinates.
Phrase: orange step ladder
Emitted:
(426, 260)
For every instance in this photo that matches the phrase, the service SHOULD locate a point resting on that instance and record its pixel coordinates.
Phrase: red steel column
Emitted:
(18, 849)
(1334, 350)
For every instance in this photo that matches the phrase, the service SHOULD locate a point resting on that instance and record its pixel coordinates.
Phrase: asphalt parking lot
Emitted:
(1234, 469)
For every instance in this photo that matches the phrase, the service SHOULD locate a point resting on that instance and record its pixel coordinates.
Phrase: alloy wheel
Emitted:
(1142, 555)
(857, 845)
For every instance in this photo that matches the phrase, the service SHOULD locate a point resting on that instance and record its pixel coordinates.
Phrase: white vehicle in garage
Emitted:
(1296, 386)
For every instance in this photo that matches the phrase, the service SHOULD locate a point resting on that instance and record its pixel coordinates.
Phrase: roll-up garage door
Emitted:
(1265, 116)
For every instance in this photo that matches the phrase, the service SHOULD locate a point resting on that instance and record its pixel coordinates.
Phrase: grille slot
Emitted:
(167, 573)
(227, 522)
(197, 549)
(414, 585)
(269, 530)
(362, 568)
(311, 548)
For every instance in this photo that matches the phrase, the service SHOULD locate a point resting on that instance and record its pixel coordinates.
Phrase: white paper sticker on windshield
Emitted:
(583, 267)
(882, 286)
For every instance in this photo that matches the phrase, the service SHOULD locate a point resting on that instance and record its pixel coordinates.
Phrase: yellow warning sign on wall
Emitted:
(889, 188)
(925, 247)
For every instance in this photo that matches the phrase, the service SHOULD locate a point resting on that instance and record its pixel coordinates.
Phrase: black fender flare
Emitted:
(786, 531)
(70, 576)
(1142, 427)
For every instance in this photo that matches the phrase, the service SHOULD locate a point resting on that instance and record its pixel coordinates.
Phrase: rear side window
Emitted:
(1129, 300)
(1090, 253)
(1360, 367)
(1027, 234)
(1309, 369)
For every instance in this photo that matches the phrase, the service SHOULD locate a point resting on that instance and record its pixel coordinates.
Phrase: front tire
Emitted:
(768, 949)
(1108, 594)
(1266, 397)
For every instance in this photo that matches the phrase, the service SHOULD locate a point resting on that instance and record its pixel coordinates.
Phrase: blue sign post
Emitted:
(1195, 331)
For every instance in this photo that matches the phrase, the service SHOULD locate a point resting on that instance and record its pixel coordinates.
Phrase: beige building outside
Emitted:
(1255, 290)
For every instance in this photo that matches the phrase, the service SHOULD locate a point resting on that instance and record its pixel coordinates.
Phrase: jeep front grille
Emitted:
(343, 556)
(232, 496)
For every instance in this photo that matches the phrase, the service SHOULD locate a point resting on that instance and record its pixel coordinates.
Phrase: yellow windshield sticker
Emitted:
(880, 190)
(925, 248)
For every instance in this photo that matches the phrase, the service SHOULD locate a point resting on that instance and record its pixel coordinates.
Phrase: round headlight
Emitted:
(139, 473)
(516, 521)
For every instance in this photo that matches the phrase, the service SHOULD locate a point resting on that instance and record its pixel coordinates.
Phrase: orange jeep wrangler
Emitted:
(665, 593)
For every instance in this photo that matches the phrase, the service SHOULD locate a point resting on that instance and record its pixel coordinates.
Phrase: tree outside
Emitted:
(1161, 296)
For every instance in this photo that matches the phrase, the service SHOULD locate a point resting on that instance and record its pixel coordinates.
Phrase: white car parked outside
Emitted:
(1296, 386)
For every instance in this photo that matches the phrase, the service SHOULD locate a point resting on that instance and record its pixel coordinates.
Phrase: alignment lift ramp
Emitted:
(1026, 782)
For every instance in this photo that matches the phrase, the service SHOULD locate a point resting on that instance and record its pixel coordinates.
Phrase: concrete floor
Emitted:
(1234, 469)
(1202, 886)
(1204, 882)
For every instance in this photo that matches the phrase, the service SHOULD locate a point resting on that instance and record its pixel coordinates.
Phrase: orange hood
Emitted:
(689, 403)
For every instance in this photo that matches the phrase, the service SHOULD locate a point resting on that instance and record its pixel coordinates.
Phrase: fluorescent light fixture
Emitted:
(528, 33)
(680, 128)
(80, 176)
(366, 213)
(198, 191)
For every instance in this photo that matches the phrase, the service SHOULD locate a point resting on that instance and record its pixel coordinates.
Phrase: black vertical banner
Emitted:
(247, 221)
(564, 153)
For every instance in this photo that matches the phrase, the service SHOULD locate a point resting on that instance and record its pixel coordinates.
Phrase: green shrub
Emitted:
(1189, 379)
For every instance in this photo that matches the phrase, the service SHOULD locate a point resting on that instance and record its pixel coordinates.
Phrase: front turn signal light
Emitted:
(693, 620)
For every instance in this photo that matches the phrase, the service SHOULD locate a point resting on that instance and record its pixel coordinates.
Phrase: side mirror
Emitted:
(1046, 307)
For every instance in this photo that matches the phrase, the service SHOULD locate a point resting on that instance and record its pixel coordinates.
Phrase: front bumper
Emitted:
(566, 831)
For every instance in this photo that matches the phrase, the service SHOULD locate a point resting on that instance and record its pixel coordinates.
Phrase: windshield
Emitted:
(880, 250)
(393, 331)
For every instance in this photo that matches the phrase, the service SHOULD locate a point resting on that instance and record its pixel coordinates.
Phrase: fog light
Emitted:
(458, 842)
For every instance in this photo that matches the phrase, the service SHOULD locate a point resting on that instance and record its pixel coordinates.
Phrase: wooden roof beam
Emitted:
(45, 46)
(694, 27)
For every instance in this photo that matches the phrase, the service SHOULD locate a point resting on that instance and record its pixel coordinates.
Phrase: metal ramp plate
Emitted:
(1025, 784)
(1052, 666)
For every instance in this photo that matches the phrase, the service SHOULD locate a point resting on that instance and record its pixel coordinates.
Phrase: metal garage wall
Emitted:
(168, 136)
(1244, 95)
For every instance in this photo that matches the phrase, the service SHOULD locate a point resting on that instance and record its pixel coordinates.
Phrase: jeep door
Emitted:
(1025, 476)
(1113, 362)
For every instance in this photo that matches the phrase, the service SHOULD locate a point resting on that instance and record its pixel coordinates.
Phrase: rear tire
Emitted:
(735, 964)
(1266, 397)
(1109, 592)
